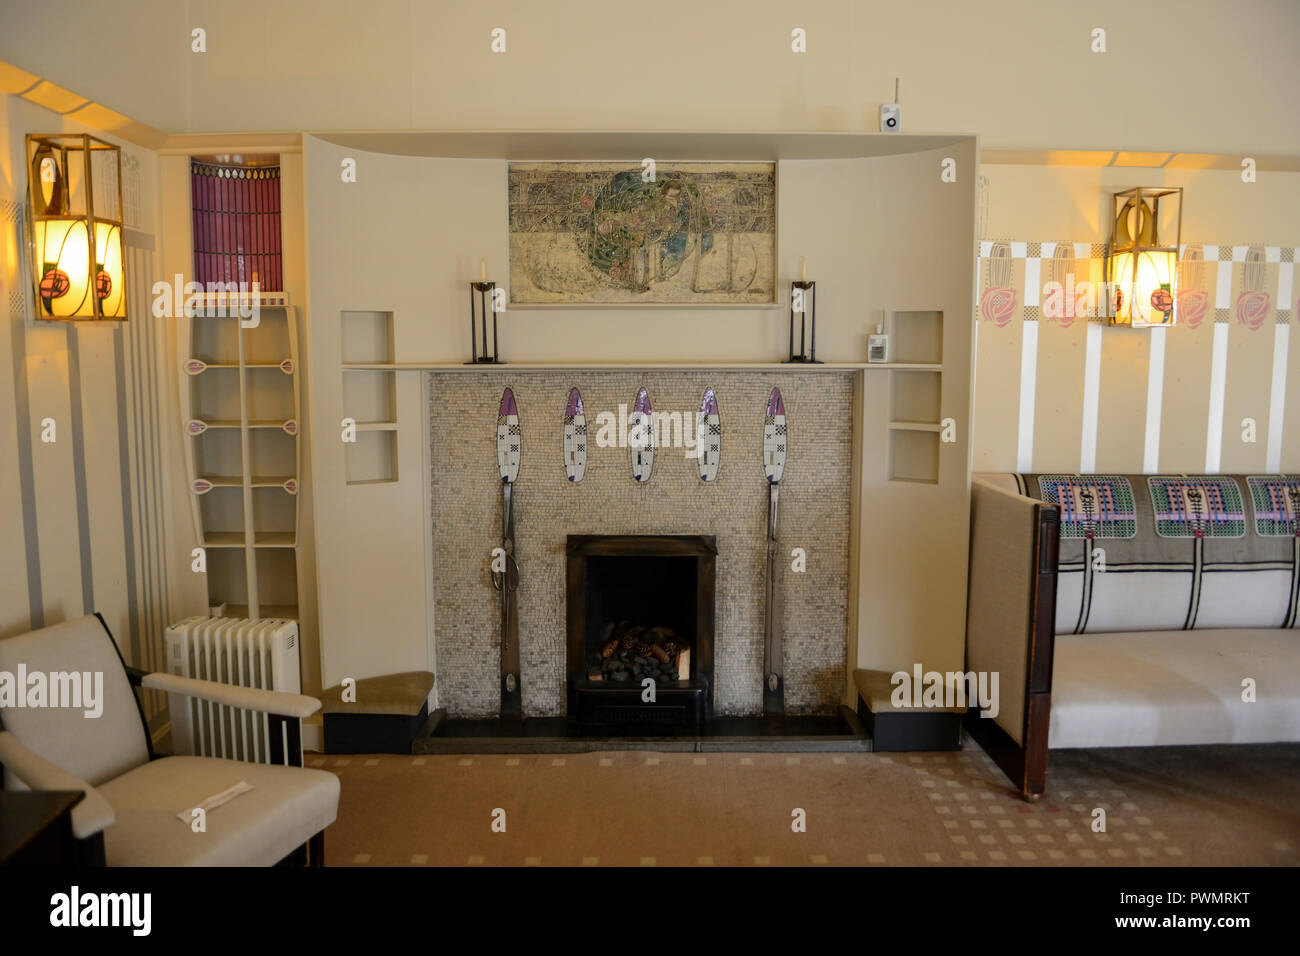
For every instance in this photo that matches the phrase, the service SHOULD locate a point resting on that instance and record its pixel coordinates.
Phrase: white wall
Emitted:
(1212, 76)
(94, 521)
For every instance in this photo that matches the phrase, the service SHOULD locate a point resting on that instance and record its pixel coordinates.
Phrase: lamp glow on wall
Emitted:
(1141, 271)
(75, 189)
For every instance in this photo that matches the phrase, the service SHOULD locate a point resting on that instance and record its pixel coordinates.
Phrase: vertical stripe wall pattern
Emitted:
(83, 505)
(1058, 389)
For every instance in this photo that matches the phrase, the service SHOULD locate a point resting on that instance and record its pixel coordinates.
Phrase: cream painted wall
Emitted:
(1020, 73)
(90, 521)
(406, 237)
(1034, 203)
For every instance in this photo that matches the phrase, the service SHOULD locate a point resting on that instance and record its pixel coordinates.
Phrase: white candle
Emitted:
(803, 269)
(482, 270)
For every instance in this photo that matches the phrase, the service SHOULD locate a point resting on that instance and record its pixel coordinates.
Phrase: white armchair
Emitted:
(129, 816)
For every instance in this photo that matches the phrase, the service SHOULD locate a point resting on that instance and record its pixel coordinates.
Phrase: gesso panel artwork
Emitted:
(642, 233)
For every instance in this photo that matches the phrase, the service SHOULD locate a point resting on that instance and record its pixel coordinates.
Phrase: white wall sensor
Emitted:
(891, 114)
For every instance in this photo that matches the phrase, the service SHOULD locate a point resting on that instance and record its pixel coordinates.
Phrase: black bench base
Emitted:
(373, 733)
(911, 730)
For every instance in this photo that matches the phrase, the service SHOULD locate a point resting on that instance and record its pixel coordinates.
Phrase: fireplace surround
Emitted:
(466, 511)
(638, 609)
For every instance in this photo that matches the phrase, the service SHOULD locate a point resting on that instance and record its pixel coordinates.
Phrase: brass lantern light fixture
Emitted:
(75, 190)
(1141, 264)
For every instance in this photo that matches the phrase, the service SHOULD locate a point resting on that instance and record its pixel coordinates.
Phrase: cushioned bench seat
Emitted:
(1144, 688)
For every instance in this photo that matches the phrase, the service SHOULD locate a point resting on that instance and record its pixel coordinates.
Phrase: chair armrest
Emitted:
(245, 698)
(1010, 614)
(91, 815)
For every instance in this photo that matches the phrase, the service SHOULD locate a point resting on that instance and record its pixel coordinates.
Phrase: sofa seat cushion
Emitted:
(1145, 688)
(286, 806)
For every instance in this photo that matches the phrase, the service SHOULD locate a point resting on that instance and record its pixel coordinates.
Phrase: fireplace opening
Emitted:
(640, 620)
(640, 612)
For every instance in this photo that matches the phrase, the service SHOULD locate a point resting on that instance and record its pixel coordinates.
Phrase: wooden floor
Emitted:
(1190, 806)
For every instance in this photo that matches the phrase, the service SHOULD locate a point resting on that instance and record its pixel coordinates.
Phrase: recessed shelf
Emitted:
(376, 426)
(367, 336)
(917, 336)
(916, 426)
(223, 539)
(223, 481)
(914, 453)
(269, 481)
(228, 578)
(372, 458)
(905, 366)
(274, 539)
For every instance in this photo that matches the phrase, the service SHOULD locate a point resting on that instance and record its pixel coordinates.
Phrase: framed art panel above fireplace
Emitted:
(637, 233)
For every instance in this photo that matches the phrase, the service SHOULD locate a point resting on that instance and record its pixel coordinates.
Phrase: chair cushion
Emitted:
(286, 806)
(1143, 688)
(92, 748)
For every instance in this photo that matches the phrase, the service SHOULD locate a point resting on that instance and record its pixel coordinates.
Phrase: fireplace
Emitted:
(639, 609)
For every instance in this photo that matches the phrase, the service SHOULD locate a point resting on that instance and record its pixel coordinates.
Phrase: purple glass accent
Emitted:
(508, 403)
(710, 404)
(235, 217)
(642, 403)
(575, 406)
(774, 404)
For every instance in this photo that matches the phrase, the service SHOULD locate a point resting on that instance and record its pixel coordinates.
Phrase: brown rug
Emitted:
(1187, 806)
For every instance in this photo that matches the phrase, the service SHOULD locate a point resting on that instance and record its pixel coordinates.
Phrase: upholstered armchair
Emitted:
(138, 807)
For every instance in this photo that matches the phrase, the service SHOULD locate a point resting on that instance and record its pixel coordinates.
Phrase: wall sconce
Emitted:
(1141, 272)
(75, 189)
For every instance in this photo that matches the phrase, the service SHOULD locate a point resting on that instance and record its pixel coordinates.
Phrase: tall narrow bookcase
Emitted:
(240, 402)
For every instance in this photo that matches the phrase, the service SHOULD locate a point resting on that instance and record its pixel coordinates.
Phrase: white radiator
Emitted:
(262, 654)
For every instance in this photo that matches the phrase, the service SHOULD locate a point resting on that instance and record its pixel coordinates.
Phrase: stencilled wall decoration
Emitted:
(1063, 391)
(1059, 282)
(708, 431)
(575, 437)
(622, 234)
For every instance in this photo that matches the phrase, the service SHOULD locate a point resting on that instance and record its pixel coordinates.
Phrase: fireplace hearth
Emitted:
(640, 618)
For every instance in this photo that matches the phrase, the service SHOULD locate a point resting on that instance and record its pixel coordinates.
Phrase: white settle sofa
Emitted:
(1133, 610)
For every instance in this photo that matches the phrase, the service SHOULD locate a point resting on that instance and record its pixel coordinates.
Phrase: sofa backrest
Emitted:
(93, 748)
(1170, 552)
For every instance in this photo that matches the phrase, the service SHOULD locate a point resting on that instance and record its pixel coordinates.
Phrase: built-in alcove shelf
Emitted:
(370, 396)
(240, 404)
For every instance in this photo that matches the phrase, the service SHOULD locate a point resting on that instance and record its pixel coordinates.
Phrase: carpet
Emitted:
(1172, 806)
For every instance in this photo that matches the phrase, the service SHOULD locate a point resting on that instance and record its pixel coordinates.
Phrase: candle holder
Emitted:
(479, 306)
(807, 354)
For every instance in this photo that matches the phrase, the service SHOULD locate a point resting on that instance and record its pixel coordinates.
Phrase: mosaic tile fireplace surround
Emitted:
(466, 508)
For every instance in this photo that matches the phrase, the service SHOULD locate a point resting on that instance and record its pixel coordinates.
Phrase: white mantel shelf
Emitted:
(626, 366)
